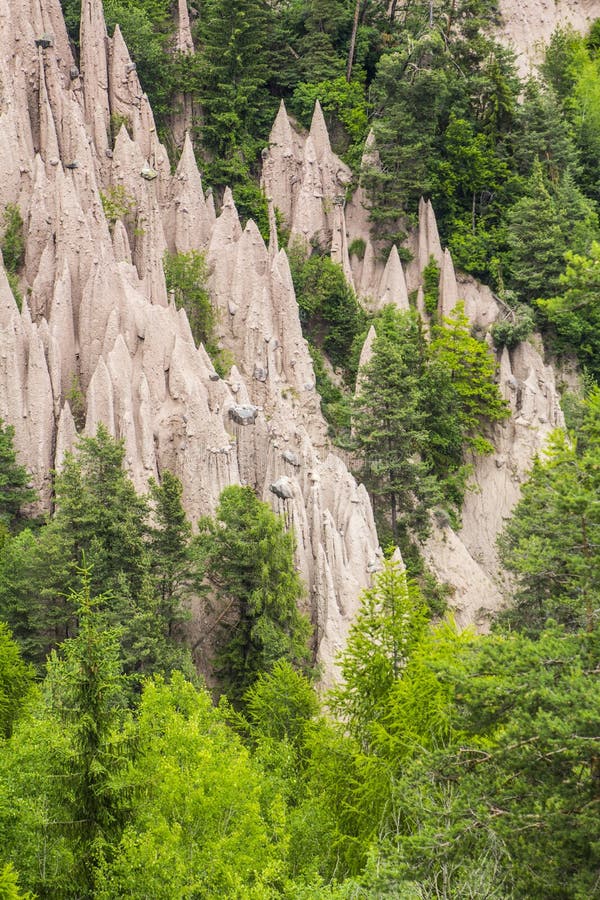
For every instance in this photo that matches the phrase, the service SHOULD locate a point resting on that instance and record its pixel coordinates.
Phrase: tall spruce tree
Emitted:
(389, 425)
(236, 38)
(551, 542)
(15, 481)
(249, 563)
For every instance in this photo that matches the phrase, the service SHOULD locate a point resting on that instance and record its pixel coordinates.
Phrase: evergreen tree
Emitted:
(15, 681)
(517, 758)
(87, 690)
(471, 369)
(15, 488)
(536, 240)
(236, 36)
(249, 564)
(388, 626)
(543, 133)
(102, 524)
(170, 539)
(574, 312)
(551, 541)
(389, 425)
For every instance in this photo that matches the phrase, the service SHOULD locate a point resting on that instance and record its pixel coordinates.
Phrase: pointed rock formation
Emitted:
(448, 286)
(94, 71)
(188, 222)
(392, 288)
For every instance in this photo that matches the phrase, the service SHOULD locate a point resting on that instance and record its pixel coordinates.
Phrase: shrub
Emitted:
(13, 239)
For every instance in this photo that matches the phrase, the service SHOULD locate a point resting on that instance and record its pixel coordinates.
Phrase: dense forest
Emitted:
(143, 758)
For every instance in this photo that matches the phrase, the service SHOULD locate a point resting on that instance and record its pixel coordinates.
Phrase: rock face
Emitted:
(299, 181)
(100, 209)
(97, 321)
(527, 25)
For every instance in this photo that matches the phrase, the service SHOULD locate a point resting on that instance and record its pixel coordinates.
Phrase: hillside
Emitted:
(297, 302)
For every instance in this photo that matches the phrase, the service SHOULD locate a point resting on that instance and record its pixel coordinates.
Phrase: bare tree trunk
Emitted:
(353, 41)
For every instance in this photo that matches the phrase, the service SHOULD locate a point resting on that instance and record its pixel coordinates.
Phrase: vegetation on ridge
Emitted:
(445, 764)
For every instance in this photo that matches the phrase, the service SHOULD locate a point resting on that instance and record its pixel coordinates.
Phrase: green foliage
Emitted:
(15, 489)
(251, 203)
(329, 309)
(514, 328)
(117, 121)
(357, 248)
(450, 91)
(248, 560)
(281, 703)
(233, 76)
(148, 29)
(88, 691)
(186, 275)
(169, 544)
(550, 543)
(13, 239)
(389, 424)
(200, 824)
(13, 283)
(15, 681)
(519, 759)
(545, 134)
(431, 286)
(419, 407)
(538, 237)
(472, 368)
(117, 204)
(100, 523)
(345, 109)
(76, 400)
(389, 624)
(574, 313)
(336, 404)
(9, 885)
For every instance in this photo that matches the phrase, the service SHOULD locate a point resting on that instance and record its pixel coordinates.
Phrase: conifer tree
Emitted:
(471, 368)
(170, 539)
(236, 38)
(87, 687)
(390, 435)
(574, 311)
(551, 542)
(389, 624)
(249, 564)
(15, 488)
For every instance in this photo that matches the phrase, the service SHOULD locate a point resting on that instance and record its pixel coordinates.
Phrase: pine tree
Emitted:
(388, 626)
(574, 311)
(15, 487)
(389, 425)
(170, 539)
(249, 564)
(551, 542)
(236, 37)
(15, 681)
(88, 691)
(471, 369)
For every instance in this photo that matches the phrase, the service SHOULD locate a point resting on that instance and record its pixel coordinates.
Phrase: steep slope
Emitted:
(97, 317)
(311, 197)
(527, 25)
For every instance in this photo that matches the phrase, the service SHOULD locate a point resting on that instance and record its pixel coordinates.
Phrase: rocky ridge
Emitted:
(98, 326)
(313, 202)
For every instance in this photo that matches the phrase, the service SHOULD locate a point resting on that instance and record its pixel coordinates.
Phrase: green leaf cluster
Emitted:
(330, 313)
(248, 560)
(419, 408)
